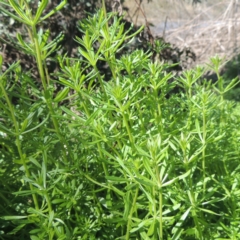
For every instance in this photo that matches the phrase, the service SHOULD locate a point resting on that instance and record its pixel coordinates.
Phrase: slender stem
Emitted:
(160, 214)
(18, 143)
(160, 202)
(45, 187)
(192, 200)
(158, 111)
(128, 128)
(197, 225)
(104, 12)
(39, 59)
(204, 144)
(100, 81)
(45, 83)
(129, 224)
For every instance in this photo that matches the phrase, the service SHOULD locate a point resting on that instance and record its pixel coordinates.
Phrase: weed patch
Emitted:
(86, 158)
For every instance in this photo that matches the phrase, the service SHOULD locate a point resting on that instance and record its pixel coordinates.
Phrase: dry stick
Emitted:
(195, 18)
(183, 6)
(117, 7)
(219, 28)
(165, 26)
(150, 36)
(136, 12)
(227, 12)
(235, 10)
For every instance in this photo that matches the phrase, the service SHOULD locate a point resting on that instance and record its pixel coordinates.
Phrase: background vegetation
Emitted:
(138, 153)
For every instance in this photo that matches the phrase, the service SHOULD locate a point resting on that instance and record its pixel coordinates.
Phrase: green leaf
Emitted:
(56, 201)
(142, 152)
(149, 169)
(198, 129)
(17, 229)
(53, 45)
(116, 179)
(5, 130)
(20, 161)
(185, 175)
(177, 234)
(50, 218)
(88, 56)
(145, 182)
(169, 182)
(1, 61)
(61, 95)
(67, 83)
(33, 237)
(145, 236)
(143, 223)
(24, 125)
(177, 230)
(119, 192)
(11, 14)
(56, 9)
(34, 161)
(27, 47)
(40, 10)
(151, 229)
(171, 209)
(23, 17)
(43, 38)
(39, 125)
(13, 217)
(25, 192)
(232, 84)
(131, 186)
(72, 114)
(147, 194)
(35, 211)
(209, 211)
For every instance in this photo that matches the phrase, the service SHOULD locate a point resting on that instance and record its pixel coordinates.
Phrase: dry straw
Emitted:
(209, 27)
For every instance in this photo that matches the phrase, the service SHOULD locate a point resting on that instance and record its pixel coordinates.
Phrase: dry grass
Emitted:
(208, 28)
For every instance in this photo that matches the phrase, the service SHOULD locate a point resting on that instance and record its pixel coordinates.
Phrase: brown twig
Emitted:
(150, 36)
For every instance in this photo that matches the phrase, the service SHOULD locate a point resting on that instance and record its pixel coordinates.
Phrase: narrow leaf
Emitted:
(61, 95)
(13, 217)
(40, 10)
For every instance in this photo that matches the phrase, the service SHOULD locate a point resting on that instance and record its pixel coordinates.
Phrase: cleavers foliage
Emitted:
(86, 158)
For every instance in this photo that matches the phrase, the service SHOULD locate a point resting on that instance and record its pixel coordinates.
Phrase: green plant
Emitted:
(86, 158)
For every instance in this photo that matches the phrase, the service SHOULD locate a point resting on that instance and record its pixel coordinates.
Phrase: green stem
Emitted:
(128, 128)
(18, 143)
(220, 87)
(100, 80)
(197, 225)
(160, 214)
(104, 12)
(49, 203)
(203, 152)
(45, 83)
(39, 59)
(129, 224)
(193, 203)
(190, 105)
(158, 113)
